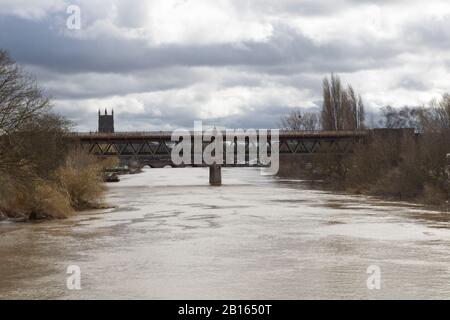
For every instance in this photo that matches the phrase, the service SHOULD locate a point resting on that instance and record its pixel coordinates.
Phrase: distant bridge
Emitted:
(154, 148)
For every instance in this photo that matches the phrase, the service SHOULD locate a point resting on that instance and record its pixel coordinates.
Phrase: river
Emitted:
(172, 236)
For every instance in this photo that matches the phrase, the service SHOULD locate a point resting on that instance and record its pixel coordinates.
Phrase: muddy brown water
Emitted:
(172, 236)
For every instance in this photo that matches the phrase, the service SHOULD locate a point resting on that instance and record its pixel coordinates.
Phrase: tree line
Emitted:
(413, 167)
(343, 109)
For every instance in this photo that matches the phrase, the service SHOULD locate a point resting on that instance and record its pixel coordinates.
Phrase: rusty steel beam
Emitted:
(155, 147)
(166, 135)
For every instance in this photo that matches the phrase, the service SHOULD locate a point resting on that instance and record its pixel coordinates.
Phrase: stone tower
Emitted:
(106, 122)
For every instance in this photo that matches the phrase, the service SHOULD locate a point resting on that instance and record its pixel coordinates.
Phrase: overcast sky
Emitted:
(236, 63)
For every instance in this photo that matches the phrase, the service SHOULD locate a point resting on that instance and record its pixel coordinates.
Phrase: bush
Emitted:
(39, 200)
(76, 185)
(407, 168)
(49, 201)
(81, 177)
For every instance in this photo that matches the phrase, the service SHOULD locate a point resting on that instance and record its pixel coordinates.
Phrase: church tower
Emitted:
(106, 122)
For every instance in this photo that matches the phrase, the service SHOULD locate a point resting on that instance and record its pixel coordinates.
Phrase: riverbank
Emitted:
(84, 188)
(329, 186)
(385, 170)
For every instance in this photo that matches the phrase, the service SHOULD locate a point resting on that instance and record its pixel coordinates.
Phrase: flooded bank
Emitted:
(172, 236)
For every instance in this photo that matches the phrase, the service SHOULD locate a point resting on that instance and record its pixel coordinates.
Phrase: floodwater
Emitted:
(172, 236)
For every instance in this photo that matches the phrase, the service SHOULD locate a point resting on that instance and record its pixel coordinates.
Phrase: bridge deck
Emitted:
(166, 135)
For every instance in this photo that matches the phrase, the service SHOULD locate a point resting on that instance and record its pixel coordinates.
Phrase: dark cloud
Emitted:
(430, 32)
(81, 69)
(412, 84)
(315, 7)
(103, 85)
(33, 42)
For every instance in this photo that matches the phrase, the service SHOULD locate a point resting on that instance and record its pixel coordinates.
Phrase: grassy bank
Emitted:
(77, 184)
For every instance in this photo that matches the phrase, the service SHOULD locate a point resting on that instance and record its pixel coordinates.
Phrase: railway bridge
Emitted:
(155, 148)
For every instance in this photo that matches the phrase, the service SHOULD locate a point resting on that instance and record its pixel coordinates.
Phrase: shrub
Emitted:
(49, 201)
(81, 177)
(408, 168)
(75, 185)
(39, 200)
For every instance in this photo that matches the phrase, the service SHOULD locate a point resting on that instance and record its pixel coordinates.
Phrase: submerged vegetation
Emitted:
(41, 174)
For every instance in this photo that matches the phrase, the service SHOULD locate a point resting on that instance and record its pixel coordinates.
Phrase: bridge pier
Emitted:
(215, 175)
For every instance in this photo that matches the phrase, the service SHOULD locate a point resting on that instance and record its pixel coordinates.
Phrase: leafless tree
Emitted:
(298, 120)
(439, 113)
(406, 117)
(20, 98)
(342, 109)
(28, 130)
(354, 108)
(329, 112)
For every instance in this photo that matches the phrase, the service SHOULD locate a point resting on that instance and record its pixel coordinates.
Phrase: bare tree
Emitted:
(406, 117)
(354, 110)
(434, 118)
(329, 121)
(298, 120)
(20, 98)
(342, 109)
(439, 113)
(24, 116)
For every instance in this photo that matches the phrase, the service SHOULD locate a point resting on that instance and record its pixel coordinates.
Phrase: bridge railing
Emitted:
(168, 134)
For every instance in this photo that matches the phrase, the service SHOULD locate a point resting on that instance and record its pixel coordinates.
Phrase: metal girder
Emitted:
(151, 147)
(156, 147)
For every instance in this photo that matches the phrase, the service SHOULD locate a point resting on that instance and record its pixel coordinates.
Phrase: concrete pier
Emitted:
(215, 175)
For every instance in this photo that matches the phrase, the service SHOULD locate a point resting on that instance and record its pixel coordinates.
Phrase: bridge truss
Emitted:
(154, 148)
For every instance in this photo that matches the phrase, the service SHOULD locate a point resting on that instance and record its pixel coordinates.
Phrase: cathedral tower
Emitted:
(106, 122)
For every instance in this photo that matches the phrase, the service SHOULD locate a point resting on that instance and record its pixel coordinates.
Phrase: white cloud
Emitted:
(204, 21)
(172, 21)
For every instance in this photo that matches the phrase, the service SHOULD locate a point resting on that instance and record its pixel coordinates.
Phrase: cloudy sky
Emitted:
(161, 64)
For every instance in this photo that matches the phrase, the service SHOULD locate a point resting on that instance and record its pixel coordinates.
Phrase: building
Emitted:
(106, 122)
